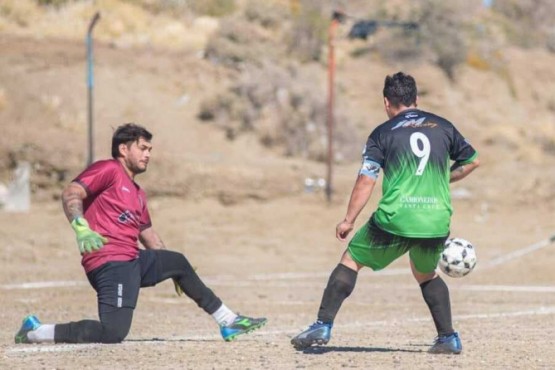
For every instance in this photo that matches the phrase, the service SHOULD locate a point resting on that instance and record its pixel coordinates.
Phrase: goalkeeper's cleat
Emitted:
(447, 344)
(241, 325)
(318, 333)
(30, 323)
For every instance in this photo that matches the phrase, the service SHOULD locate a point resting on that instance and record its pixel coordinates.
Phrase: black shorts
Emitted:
(117, 284)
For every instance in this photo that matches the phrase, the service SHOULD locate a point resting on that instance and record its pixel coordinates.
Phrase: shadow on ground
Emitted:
(323, 350)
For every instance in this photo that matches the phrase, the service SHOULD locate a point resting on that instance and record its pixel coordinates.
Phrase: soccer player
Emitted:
(109, 214)
(414, 149)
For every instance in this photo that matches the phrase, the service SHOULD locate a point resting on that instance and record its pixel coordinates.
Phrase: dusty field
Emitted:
(273, 259)
(238, 211)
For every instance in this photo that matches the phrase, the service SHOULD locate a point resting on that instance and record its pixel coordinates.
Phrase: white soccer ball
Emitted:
(458, 258)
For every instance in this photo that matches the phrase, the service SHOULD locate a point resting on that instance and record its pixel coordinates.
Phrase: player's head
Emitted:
(399, 92)
(131, 145)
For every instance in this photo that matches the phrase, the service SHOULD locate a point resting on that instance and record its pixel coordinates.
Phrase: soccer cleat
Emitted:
(30, 323)
(241, 325)
(447, 344)
(317, 333)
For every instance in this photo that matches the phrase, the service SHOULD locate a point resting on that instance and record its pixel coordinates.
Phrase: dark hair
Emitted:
(126, 134)
(400, 89)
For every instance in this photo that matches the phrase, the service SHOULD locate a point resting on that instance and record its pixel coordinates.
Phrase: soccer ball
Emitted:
(458, 258)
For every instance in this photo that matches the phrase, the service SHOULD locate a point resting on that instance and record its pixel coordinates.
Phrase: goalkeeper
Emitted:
(108, 211)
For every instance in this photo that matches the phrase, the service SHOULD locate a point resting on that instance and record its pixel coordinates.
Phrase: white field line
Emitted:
(44, 284)
(228, 279)
(395, 287)
(277, 284)
(325, 275)
(508, 288)
(289, 331)
(504, 258)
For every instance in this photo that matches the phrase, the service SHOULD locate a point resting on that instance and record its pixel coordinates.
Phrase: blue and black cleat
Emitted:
(447, 344)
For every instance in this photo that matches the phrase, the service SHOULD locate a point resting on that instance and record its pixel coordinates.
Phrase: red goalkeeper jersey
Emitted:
(116, 208)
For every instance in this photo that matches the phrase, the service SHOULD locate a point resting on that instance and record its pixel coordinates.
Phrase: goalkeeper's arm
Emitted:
(72, 200)
(88, 240)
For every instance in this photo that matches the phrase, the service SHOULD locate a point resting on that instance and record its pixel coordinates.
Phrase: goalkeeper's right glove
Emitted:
(88, 240)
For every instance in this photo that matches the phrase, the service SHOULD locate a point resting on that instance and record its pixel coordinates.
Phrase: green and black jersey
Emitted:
(415, 150)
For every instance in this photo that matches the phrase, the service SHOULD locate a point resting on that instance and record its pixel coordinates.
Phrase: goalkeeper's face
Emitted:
(136, 155)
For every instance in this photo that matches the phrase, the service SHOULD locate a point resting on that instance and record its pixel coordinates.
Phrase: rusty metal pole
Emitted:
(331, 100)
(337, 17)
(90, 87)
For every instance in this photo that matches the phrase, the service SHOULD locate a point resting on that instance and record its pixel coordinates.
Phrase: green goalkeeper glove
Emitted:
(87, 239)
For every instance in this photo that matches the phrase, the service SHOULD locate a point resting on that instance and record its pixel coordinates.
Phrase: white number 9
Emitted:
(424, 153)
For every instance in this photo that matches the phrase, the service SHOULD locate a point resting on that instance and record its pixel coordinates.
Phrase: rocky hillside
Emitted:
(235, 91)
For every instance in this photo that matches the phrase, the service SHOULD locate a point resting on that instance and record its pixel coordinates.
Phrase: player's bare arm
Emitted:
(360, 195)
(151, 240)
(72, 200)
(459, 172)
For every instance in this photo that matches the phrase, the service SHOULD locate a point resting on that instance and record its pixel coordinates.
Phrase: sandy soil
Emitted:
(272, 259)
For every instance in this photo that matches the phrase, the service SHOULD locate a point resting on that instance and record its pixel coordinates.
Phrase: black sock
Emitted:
(340, 285)
(436, 295)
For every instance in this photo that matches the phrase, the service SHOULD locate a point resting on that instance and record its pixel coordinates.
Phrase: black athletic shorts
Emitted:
(117, 284)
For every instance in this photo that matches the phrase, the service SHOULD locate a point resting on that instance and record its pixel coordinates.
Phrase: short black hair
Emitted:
(400, 89)
(128, 133)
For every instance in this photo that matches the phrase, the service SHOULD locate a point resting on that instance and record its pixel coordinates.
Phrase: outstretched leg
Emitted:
(175, 265)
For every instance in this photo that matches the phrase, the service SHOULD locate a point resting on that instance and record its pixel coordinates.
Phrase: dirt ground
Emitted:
(266, 247)
(272, 259)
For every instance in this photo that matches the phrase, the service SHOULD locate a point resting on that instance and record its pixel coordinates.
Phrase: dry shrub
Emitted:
(170, 7)
(20, 12)
(544, 136)
(476, 60)
(550, 41)
(268, 14)
(213, 8)
(438, 36)
(56, 3)
(308, 31)
(238, 42)
(267, 30)
(285, 108)
(179, 8)
(528, 22)
(280, 100)
(441, 30)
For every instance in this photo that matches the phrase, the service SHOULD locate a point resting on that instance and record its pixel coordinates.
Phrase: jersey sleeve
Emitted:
(97, 177)
(372, 157)
(373, 149)
(461, 151)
